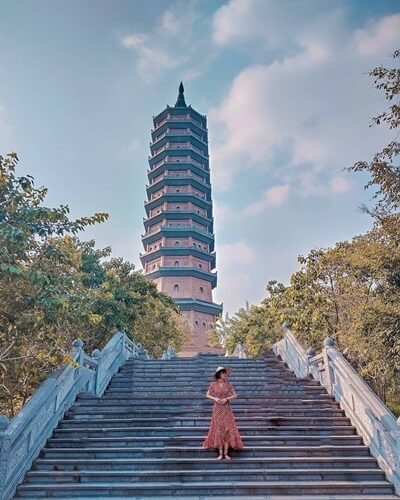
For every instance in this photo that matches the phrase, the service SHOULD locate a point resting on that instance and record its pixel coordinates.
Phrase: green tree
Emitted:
(55, 288)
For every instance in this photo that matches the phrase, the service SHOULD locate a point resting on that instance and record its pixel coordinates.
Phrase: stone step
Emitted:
(201, 386)
(220, 361)
(143, 437)
(199, 463)
(249, 474)
(178, 397)
(176, 421)
(207, 378)
(191, 403)
(248, 497)
(208, 371)
(105, 431)
(201, 383)
(261, 393)
(78, 412)
(207, 488)
(195, 451)
(185, 441)
(182, 394)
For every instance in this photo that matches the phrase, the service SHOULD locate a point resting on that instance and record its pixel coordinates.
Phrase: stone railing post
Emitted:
(4, 445)
(170, 353)
(328, 342)
(310, 353)
(398, 436)
(96, 356)
(78, 349)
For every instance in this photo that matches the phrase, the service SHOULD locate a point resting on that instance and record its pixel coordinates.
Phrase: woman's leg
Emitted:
(226, 448)
(221, 452)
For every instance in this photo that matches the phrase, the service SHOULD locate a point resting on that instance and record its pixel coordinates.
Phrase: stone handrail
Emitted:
(293, 353)
(22, 438)
(372, 418)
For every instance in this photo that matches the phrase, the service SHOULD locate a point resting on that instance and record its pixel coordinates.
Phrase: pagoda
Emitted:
(179, 229)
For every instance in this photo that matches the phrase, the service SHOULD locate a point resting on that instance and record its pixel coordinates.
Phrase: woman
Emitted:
(223, 432)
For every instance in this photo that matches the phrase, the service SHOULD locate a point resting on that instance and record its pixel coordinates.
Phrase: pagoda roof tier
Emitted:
(183, 115)
(179, 156)
(171, 166)
(179, 252)
(178, 197)
(178, 125)
(193, 272)
(173, 143)
(168, 215)
(179, 232)
(192, 304)
(178, 180)
(173, 134)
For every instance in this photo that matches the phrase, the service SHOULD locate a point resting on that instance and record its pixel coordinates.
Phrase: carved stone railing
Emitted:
(169, 353)
(22, 438)
(372, 418)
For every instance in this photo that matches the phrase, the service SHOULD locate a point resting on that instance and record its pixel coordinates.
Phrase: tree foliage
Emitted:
(55, 288)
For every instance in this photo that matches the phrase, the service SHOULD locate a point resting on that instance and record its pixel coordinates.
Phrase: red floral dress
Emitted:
(223, 426)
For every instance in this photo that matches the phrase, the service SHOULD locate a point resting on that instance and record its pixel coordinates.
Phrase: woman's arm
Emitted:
(210, 396)
(233, 394)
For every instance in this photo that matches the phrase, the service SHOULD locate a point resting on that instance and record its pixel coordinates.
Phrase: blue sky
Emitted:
(285, 88)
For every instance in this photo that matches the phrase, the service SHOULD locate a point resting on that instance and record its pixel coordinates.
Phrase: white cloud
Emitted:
(236, 254)
(314, 103)
(226, 27)
(379, 36)
(340, 184)
(274, 23)
(170, 23)
(173, 43)
(152, 58)
(222, 214)
(272, 197)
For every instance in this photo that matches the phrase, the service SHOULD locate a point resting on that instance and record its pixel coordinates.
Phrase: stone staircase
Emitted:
(142, 439)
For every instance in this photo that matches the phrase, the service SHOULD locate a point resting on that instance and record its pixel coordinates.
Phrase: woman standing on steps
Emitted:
(223, 432)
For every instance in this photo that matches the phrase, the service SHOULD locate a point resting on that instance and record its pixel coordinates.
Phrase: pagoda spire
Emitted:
(180, 102)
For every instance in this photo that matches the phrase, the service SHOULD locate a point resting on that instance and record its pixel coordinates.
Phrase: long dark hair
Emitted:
(218, 374)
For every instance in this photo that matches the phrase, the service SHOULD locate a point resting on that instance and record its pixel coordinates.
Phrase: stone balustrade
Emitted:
(371, 417)
(22, 438)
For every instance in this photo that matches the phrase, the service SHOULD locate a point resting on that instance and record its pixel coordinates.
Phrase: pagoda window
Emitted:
(177, 243)
(196, 324)
(201, 289)
(176, 263)
(200, 266)
(203, 325)
(176, 287)
(178, 207)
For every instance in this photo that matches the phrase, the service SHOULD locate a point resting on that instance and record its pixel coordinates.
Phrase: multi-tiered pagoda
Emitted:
(179, 239)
